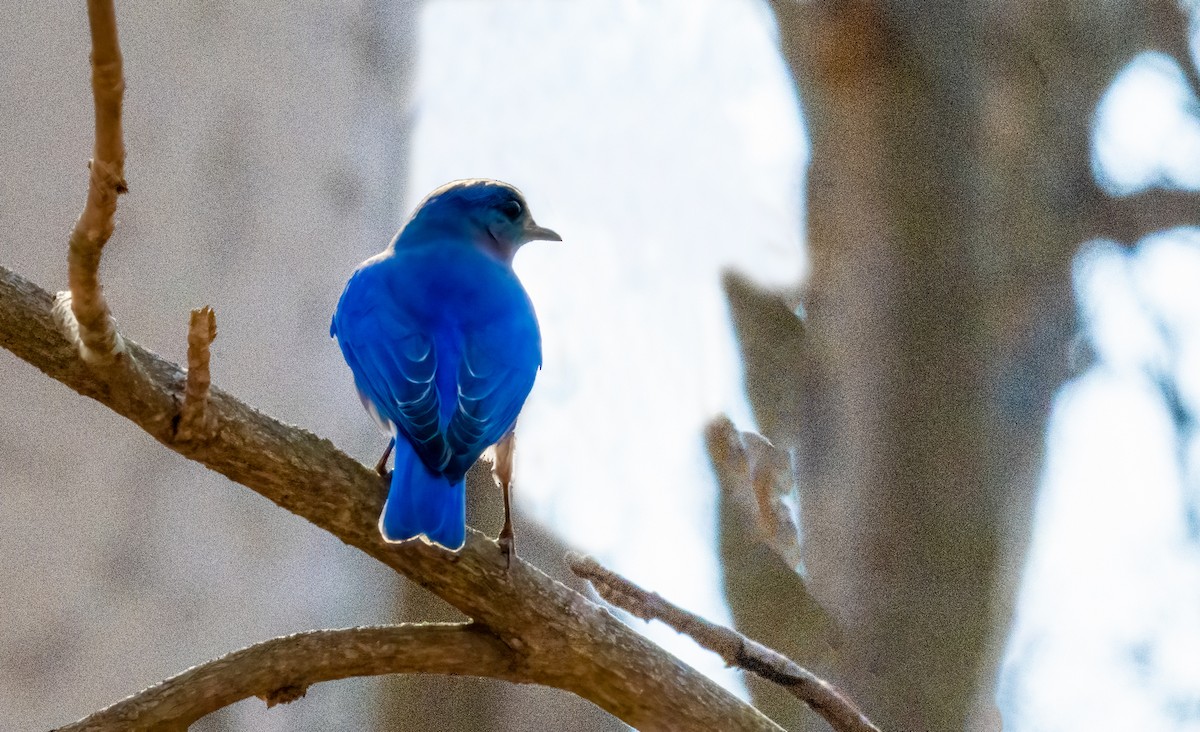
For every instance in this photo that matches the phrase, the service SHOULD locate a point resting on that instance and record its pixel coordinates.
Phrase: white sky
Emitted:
(662, 140)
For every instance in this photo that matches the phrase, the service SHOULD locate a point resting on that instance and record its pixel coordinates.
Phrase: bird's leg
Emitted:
(381, 466)
(502, 470)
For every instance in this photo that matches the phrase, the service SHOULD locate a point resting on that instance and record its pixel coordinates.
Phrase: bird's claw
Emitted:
(508, 548)
(381, 466)
(385, 482)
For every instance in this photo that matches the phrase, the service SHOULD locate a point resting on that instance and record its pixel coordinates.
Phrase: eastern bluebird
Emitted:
(444, 346)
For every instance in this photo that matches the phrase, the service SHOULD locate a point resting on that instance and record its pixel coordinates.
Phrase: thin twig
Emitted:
(92, 324)
(735, 648)
(280, 671)
(195, 421)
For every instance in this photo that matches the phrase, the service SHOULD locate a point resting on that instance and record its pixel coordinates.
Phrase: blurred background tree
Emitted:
(956, 171)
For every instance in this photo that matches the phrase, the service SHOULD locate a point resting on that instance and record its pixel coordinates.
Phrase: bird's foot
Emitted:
(508, 547)
(381, 466)
(503, 473)
(385, 482)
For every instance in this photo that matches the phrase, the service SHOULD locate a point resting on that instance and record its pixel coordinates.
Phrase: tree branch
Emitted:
(91, 320)
(194, 420)
(735, 648)
(563, 639)
(280, 670)
(758, 475)
(1129, 218)
(1171, 25)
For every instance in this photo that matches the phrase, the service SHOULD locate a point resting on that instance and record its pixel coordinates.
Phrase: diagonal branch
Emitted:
(564, 640)
(735, 648)
(280, 670)
(92, 322)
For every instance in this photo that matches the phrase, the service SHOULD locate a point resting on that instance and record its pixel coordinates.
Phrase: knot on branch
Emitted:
(108, 79)
(284, 695)
(108, 180)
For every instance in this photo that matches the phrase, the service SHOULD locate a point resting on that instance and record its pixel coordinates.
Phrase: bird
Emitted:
(444, 346)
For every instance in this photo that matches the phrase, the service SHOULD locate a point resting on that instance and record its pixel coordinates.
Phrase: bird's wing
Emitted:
(394, 366)
(495, 376)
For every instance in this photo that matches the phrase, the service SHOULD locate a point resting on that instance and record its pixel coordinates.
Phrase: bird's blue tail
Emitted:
(423, 503)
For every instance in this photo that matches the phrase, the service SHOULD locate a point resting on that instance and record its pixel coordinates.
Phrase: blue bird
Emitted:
(444, 346)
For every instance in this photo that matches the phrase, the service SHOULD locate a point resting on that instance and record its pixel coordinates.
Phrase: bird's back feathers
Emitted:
(444, 347)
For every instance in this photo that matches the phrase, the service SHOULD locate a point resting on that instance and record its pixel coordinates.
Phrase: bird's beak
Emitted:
(533, 232)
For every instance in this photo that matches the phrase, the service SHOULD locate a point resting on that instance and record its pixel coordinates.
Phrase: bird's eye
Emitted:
(511, 209)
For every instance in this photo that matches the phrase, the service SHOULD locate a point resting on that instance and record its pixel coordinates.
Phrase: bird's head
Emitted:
(489, 213)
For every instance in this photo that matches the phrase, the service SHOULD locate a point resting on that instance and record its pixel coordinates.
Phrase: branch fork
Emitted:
(733, 647)
(91, 326)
